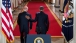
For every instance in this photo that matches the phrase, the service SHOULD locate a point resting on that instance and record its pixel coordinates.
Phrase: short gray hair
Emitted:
(25, 8)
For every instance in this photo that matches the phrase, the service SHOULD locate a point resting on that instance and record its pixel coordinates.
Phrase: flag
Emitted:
(67, 24)
(65, 15)
(65, 7)
(67, 28)
(7, 20)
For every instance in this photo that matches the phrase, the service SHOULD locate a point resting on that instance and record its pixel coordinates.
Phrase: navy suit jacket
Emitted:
(42, 21)
(23, 22)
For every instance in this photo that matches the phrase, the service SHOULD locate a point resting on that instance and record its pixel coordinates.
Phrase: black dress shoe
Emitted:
(61, 11)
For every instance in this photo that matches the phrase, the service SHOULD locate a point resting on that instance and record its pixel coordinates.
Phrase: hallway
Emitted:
(58, 39)
(61, 15)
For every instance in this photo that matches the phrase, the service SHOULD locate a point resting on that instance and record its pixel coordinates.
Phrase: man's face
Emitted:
(25, 9)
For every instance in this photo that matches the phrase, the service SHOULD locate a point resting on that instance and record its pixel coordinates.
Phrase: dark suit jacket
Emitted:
(23, 22)
(42, 22)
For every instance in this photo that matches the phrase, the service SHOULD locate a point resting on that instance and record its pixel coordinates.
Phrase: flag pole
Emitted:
(68, 6)
(74, 28)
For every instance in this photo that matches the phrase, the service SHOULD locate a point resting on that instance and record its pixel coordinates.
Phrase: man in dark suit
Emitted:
(42, 21)
(23, 23)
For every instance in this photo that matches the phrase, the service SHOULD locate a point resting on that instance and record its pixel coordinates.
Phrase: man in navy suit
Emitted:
(23, 23)
(42, 21)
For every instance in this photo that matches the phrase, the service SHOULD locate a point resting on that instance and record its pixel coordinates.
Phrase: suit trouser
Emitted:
(41, 32)
(23, 37)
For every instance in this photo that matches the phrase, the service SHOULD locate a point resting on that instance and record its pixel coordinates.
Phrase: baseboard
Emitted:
(50, 36)
(57, 6)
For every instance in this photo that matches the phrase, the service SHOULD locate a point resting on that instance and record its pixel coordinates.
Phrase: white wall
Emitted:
(2, 38)
(74, 21)
(53, 1)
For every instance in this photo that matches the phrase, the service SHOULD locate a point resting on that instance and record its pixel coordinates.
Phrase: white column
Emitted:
(16, 3)
(52, 1)
(22, 0)
(2, 38)
(12, 5)
(74, 2)
(57, 3)
(19, 1)
(61, 4)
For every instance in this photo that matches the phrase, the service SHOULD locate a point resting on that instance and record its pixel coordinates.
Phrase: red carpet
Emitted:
(54, 27)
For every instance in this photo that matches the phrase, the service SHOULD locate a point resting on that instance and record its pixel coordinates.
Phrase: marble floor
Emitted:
(53, 40)
(55, 10)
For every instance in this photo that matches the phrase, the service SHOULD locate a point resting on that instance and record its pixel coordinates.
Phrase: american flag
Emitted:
(67, 23)
(7, 20)
(65, 7)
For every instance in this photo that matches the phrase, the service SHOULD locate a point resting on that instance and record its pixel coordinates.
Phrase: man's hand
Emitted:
(27, 17)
